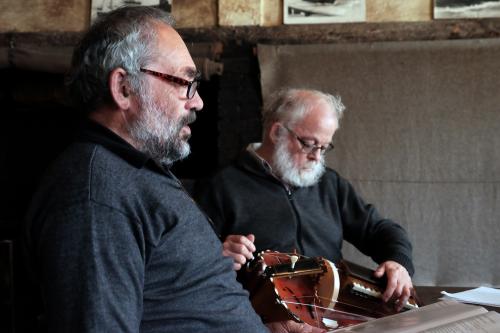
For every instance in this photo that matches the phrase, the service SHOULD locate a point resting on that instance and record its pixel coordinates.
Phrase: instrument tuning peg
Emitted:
(293, 260)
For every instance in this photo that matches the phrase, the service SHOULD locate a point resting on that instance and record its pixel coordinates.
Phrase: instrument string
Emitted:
(338, 313)
(316, 305)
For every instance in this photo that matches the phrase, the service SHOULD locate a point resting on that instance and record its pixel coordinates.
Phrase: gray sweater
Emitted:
(118, 246)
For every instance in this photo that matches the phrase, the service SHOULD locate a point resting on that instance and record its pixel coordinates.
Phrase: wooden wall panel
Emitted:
(40, 15)
(397, 10)
(195, 14)
(272, 12)
(239, 12)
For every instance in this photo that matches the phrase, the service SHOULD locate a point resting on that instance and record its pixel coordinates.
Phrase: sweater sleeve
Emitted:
(380, 238)
(91, 261)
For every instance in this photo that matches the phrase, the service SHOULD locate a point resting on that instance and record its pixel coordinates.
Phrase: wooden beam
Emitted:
(350, 32)
(302, 34)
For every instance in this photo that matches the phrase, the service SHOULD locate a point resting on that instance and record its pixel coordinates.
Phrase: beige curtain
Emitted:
(420, 139)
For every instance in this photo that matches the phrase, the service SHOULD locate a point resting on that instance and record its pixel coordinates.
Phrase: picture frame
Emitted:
(455, 9)
(99, 7)
(323, 11)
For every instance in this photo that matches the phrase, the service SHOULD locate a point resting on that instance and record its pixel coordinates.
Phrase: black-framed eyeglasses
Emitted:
(309, 148)
(192, 86)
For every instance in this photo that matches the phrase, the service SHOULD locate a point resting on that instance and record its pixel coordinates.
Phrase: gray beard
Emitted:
(285, 168)
(157, 136)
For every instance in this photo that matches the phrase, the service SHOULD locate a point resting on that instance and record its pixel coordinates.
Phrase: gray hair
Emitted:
(291, 105)
(121, 38)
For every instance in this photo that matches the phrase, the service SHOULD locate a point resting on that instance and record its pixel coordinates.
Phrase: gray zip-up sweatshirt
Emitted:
(246, 198)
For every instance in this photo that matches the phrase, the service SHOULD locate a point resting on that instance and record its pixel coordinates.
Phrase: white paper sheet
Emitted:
(482, 295)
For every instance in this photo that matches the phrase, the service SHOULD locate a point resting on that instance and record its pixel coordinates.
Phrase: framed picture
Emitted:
(102, 6)
(447, 9)
(323, 11)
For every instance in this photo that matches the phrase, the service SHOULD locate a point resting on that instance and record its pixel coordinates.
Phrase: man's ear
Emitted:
(275, 131)
(119, 88)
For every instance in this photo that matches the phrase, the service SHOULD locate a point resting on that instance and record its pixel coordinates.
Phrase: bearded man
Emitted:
(279, 195)
(115, 242)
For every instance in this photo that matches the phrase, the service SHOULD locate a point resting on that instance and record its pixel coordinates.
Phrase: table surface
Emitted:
(428, 295)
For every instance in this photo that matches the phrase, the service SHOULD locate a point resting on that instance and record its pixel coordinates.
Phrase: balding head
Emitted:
(291, 105)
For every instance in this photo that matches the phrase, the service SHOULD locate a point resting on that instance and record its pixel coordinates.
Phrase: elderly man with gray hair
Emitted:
(279, 195)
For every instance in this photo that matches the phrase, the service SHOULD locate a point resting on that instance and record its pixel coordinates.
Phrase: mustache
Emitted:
(190, 118)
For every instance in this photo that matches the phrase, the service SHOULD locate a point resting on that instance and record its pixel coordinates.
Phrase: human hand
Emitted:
(239, 248)
(291, 326)
(399, 283)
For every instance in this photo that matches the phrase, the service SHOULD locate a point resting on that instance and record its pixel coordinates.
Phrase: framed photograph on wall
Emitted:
(449, 9)
(103, 6)
(323, 11)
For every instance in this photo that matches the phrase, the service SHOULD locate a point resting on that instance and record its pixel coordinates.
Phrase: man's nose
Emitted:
(195, 103)
(315, 155)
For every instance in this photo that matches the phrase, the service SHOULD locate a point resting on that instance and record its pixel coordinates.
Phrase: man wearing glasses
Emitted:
(116, 243)
(279, 195)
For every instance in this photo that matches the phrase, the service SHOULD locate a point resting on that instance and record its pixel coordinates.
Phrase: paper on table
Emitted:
(482, 295)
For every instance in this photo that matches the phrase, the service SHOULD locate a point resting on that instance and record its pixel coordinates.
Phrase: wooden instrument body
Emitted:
(315, 291)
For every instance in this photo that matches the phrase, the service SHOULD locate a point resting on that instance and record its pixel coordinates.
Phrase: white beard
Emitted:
(286, 169)
(157, 135)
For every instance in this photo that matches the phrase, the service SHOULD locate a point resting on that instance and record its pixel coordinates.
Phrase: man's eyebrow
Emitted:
(191, 72)
(316, 142)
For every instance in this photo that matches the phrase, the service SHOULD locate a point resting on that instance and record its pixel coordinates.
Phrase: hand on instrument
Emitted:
(239, 248)
(399, 283)
(291, 326)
